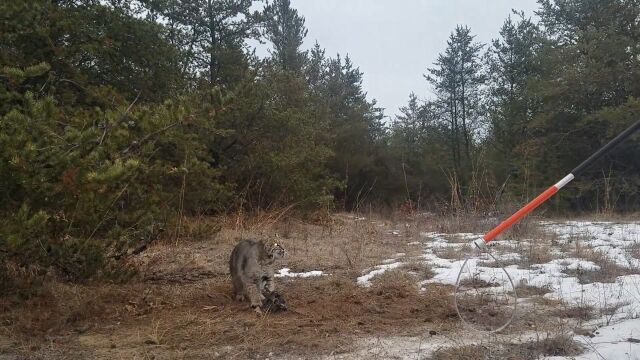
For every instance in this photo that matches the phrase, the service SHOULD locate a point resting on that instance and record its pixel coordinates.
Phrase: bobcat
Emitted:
(251, 268)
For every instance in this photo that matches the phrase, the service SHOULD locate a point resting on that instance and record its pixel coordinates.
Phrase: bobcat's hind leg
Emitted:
(239, 294)
(238, 289)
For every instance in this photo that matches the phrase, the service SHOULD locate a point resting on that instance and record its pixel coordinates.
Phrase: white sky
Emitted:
(394, 42)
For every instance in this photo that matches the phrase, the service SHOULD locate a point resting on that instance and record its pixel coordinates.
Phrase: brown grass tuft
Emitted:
(395, 284)
(534, 254)
(531, 290)
(451, 252)
(581, 312)
(421, 268)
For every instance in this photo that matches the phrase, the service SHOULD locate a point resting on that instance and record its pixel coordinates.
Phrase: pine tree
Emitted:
(409, 121)
(315, 69)
(590, 69)
(286, 31)
(457, 78)
(212, 33)
(512, 62)
(357, 129)
(96, 52)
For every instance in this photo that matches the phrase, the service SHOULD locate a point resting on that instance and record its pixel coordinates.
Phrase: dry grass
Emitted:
(580, 312)
(476, 283)
(451, 252)
(538, 253)
(343, 247)
(326, 314)
(456, 239)
(485, 312)
(458, 223)
(530, 254)
(562, 345)
(608, 272)
(180, 305)
(500, 263)
(395, 284)
(466, 352)
(420, 268)
(524, 290)
(610, 216)
(475, 222)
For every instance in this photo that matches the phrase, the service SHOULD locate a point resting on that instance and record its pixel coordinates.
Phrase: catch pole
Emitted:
(545, 195)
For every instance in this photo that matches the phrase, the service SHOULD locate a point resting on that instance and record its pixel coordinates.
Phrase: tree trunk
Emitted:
(213, 39)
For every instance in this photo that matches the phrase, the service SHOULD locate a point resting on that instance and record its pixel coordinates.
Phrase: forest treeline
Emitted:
(118, 116)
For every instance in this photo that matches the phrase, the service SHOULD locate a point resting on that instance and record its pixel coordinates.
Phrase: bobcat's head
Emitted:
(274, 250)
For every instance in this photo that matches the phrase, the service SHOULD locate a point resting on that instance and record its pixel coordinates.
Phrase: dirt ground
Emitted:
(180, 306)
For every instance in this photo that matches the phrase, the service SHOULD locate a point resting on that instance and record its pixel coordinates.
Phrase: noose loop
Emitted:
(457, 288)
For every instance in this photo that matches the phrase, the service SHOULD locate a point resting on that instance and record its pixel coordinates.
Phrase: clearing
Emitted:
(359, 287)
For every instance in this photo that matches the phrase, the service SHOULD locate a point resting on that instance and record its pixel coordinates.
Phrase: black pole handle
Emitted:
(603, 150)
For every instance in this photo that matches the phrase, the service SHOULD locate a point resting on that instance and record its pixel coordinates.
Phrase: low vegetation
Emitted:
(531, 350)
(180, 302)
(607, 272)
(140, 139)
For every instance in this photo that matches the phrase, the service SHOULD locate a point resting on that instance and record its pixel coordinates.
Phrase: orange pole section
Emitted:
(520, 213)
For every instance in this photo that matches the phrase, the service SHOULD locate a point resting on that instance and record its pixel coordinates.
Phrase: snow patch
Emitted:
(286, 272)
(619, 341)
(365, 280)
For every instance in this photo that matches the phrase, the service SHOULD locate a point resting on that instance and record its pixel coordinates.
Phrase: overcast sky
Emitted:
(394, 41)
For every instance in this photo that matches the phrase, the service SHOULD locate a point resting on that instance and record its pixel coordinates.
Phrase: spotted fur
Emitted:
(251, 267)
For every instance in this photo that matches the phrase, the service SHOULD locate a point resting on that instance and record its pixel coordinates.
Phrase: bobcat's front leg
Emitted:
(253, 292)
(269, 284)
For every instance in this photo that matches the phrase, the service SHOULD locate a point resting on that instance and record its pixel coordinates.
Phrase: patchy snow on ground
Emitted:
(619, 341)
(286, 272)
(616, 303)
(613, 239)
(365, 280)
